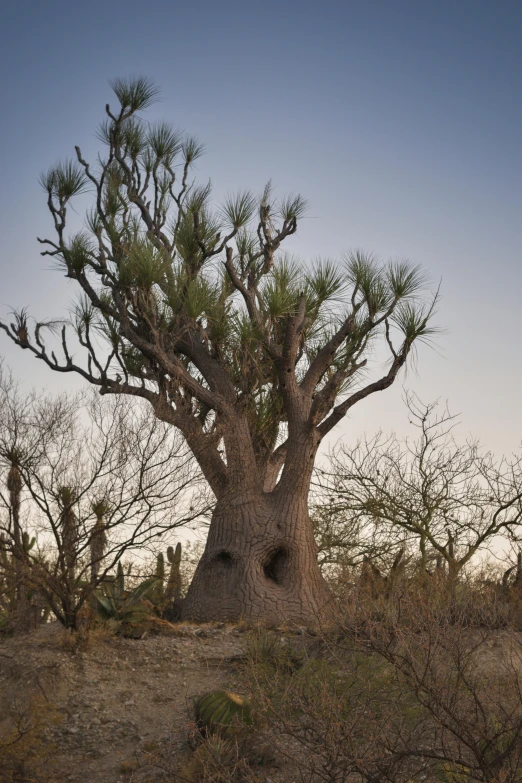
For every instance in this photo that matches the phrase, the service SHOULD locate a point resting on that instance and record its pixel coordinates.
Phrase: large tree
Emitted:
(252, 355)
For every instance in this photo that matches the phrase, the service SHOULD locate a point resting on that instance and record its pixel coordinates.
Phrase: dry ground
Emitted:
(123, 705)
(119, 696)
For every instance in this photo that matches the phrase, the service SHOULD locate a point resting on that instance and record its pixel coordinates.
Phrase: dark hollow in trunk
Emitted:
(260, 565)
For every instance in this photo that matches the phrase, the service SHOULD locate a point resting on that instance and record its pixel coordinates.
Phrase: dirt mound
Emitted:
(118, 696)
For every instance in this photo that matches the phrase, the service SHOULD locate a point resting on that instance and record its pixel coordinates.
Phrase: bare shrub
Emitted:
(27, 718)
(445, 501)
(413, 687)
(96, 481)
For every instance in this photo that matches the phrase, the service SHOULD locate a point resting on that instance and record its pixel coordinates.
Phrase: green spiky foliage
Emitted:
(195, 307)
(113, 602)
(173, 591)
(200, 308)
(219, 712)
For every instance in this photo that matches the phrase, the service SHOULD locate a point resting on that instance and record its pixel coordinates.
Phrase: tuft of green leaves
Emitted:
(412, 320)
(324, 283)
(135, 94)
(404, 279)
(238, 210)
(143, 266)
(64, 180)
(292, 207)
(165, 142)
(192, 149)
(79, 252)
(283, 288)
(381, 287)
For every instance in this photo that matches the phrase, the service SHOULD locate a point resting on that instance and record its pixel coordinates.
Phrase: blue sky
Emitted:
(399, 121)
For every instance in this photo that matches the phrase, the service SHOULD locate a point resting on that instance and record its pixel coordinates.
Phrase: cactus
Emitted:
(21, 602)
(160, 567)
(16, 564)
(216, 712)
(508, 582)
(518, 574)
(173, 592)
(119, 582)
(158, 596)
(166, 599)
(98, 540)
(6, 577)
(398, 565)
(27, 542)
(14, 487)
(4, 557)
(69, 525)
(114, 602)
(22, 543)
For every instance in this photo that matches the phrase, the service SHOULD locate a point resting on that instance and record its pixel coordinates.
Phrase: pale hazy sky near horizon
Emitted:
(398, 120)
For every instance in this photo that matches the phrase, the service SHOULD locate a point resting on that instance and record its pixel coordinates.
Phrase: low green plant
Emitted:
(219, 712)
(454, 773)
(113, 602)
(166, 597)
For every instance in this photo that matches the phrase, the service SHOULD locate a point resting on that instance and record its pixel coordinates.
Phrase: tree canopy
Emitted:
(197, 308)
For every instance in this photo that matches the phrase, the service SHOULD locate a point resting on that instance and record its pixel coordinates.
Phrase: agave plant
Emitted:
(113, 602)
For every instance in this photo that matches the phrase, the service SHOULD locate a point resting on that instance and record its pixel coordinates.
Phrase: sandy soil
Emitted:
(119, 696)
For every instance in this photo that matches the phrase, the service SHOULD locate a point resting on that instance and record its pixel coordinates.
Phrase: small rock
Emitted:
(129, 703)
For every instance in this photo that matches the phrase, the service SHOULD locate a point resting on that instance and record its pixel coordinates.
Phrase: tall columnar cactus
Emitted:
(4, 557)
(158, 595)
(119, 582)
(14, 487)
(21, 605)
(28, 543)
(173, 591)
(518, 574)
(98, 540)
(69, 529)
(6, 577)
(512, 578)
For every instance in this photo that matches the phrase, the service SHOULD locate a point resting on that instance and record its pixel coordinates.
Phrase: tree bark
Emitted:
(260, 564)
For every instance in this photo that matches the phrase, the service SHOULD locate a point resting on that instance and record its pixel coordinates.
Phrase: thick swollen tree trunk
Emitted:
(260, 565)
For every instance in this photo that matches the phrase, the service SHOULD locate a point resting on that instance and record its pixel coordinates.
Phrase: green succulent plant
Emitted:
(216, 712)
(173, 591)
(158, 595)
(113, 602)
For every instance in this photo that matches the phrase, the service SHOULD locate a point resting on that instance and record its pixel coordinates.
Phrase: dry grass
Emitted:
(26, 753)
(423, 685)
